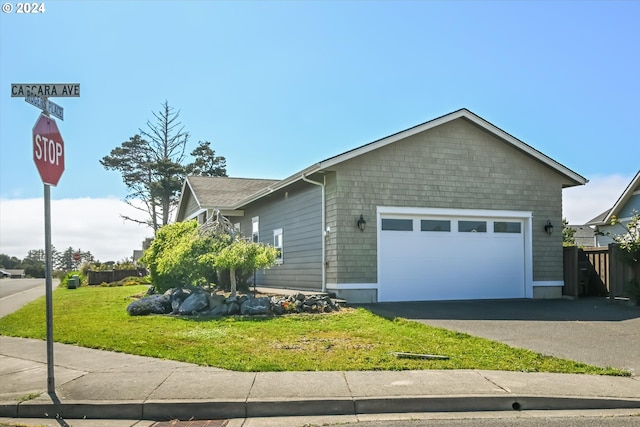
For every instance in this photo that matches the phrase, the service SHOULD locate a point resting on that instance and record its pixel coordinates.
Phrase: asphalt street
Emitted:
(14, 293)
(10, 287)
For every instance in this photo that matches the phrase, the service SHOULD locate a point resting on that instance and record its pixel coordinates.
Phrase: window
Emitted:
(435, 225)
(472, 226)
(397, 224)
(255, 229)
(278, 243)
(506, 227)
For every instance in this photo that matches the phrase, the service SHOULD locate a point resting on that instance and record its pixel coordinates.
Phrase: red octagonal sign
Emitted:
(48, 150)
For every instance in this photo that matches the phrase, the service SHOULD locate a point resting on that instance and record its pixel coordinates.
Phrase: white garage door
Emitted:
(450, 258)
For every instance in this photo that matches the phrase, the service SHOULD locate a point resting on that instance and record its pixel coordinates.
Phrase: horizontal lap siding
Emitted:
(298, 212)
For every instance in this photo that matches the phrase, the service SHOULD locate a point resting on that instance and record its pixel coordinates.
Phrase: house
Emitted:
(623, 209)
(453, 208)
(584, 236)
(12, 273)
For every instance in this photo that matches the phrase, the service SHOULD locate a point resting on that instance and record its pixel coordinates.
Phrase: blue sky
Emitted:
(279, 85)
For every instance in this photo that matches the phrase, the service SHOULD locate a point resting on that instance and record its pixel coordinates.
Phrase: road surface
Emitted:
(14, 293)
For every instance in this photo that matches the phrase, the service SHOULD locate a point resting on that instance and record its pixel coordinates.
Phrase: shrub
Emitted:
(177, 256)
(64, 281)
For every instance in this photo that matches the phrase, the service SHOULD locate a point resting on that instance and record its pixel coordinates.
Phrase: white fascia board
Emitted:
(182, 195)
(278, 185)
(445, 119)
(526, 148)
(484, 213)
(195, 214)
(624, 198)
(389, 140)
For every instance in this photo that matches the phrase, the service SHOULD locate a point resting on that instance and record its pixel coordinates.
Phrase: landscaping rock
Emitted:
(215, 300)
(256, 306)
(233, 308)
(153, 304)
(194, 303)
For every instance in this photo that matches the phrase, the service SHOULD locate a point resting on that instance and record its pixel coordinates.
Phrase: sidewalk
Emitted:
(97, 384)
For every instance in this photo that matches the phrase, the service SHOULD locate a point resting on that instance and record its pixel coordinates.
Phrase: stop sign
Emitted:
(48, 150)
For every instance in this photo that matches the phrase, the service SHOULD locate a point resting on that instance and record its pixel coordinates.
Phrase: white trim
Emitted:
(195, 215)
(255, 220)
(453, 212)
(622, 200)
(279, 232)
(462, 113)
(547, 283)
(352, 286)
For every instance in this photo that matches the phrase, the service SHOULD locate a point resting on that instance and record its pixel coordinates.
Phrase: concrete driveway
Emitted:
(591, 330)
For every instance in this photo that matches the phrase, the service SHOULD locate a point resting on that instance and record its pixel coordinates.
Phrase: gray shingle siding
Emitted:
(457, 166)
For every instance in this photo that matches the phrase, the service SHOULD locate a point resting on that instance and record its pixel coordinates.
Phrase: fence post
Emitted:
(570, 258)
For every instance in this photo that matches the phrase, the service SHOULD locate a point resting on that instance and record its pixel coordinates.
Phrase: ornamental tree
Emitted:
(244, 255)
(630, 241)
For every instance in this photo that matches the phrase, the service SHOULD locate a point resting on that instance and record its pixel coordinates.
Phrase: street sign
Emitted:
(48, 150)
(45, 90)
(45, 105)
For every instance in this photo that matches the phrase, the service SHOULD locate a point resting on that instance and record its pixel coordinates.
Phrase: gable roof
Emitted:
(219, 192)
(584, 235)
(204, 189)
(573, 177)
(606, 216)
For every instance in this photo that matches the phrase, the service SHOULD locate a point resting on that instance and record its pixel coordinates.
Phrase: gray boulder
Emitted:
(153, 304)
(195, 302)
(253, 306)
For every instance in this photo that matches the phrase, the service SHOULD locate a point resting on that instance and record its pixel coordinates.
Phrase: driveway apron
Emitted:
(590, 330)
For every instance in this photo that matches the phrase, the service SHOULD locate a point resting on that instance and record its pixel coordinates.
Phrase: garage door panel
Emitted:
(419, 265)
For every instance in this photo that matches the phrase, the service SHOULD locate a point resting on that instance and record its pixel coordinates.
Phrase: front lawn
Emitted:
(353, 339)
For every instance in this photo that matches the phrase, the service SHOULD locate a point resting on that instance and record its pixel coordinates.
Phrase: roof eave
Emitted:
(575, 178)
(182, 195)
(623, 199)
(278, 185)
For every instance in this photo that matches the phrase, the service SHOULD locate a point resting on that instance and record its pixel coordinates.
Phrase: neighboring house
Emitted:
(12, 273)
(623, 209)
(454, 208)
(584, 236)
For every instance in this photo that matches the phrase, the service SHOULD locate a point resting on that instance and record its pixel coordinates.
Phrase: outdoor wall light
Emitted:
(548, 227)
(361, 223)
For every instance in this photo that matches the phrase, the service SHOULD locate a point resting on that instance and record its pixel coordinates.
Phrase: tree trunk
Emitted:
(232, 276)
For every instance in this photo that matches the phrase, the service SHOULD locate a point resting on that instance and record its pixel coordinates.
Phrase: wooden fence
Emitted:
(597, 272)
(107, 276)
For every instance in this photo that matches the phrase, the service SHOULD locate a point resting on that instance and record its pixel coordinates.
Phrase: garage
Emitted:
(432, 254)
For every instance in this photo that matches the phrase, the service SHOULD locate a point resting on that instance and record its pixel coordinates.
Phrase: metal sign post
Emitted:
(48, 155)
(51, 384)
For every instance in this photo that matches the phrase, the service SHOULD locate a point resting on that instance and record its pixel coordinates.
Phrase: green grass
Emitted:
(347, 340)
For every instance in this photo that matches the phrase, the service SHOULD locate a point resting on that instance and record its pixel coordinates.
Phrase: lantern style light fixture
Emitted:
(361, 223)
(548, 227)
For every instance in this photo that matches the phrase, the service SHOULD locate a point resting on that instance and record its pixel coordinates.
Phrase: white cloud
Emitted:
(89, 224)
(583, 203)
(95, 224)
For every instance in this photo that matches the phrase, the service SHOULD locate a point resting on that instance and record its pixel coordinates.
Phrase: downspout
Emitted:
(324, 238)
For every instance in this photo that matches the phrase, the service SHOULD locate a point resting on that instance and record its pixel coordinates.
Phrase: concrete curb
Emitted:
(209, 409)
